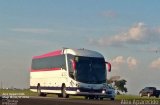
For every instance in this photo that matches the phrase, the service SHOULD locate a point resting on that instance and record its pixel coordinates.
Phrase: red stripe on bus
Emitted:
(40, 70)
(54, 53)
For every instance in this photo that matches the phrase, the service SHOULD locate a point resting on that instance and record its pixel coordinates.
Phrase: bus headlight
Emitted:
(78, 90)
(103, 91)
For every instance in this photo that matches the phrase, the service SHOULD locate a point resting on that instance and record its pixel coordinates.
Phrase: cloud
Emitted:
(120, 62)
(137, 34)
(32, 30)
(132, 62)
(117, 62)
(155, 64)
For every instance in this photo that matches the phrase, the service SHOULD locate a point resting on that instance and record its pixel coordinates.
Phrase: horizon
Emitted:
(126, 33)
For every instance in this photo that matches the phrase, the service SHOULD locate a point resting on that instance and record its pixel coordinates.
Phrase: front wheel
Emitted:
(91, 97)
(101, 98)
(112, 99)
(39, 91)
(64, 94)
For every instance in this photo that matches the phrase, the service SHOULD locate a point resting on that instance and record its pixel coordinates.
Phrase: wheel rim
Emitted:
(64, 92)
(39, 90)
(140, 94)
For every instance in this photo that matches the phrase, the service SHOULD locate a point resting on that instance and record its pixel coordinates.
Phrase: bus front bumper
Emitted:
(108, 94)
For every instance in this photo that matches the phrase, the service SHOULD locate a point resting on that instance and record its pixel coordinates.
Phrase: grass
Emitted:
(27, 92)
(132, 97)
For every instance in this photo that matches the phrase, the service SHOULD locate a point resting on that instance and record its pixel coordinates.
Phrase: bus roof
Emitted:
(53, 53)
(83, 52)
(77, 52)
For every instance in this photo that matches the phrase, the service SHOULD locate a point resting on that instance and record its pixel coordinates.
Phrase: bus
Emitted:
(68, 71)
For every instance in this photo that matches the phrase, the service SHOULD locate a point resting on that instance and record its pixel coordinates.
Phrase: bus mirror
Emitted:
(73, 64)
(108, 66)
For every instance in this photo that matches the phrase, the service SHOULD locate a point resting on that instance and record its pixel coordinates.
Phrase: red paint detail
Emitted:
(54, 53)
(41, 70)
(73, 64)
(109, 66)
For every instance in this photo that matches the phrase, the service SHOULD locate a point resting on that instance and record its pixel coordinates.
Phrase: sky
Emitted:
(126, 32)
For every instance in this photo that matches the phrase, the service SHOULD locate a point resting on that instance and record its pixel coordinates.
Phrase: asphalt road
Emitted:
(63, 101)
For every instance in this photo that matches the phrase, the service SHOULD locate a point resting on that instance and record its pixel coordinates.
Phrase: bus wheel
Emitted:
(91, 97)
(64, 94)
(101, 98)
(112, 99)
(96, 97)
(86, 97)
(59, 95)
(39, 91)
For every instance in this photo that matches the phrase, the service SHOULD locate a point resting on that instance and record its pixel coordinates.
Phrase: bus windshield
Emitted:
(90, 70)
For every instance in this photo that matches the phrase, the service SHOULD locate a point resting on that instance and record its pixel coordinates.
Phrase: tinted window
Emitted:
(90, 70)
(49, 62)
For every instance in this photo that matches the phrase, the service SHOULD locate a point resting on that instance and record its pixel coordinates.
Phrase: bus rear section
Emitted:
(71, 72)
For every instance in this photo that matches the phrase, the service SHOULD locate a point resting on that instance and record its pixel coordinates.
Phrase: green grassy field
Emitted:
(27, 92)
(120, 97)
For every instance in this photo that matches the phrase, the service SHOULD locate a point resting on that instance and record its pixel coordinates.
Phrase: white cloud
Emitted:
(32, 30)
(120, 62)
(155, 64)
(137, 34)
(117, 62)
(132, 62)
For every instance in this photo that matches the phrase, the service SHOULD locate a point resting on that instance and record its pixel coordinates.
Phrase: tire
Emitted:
(59, 95)
(112, 99)
(101, 98)
(39, 91)
(149, 95)
(157, 96)
(91, 97)
(140, 94)
(97, 97)
(64, 94)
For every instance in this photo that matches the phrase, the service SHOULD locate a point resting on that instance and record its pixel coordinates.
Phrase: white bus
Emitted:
(71, 72)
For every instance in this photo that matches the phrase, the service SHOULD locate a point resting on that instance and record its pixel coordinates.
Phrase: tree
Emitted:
(120, 85)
